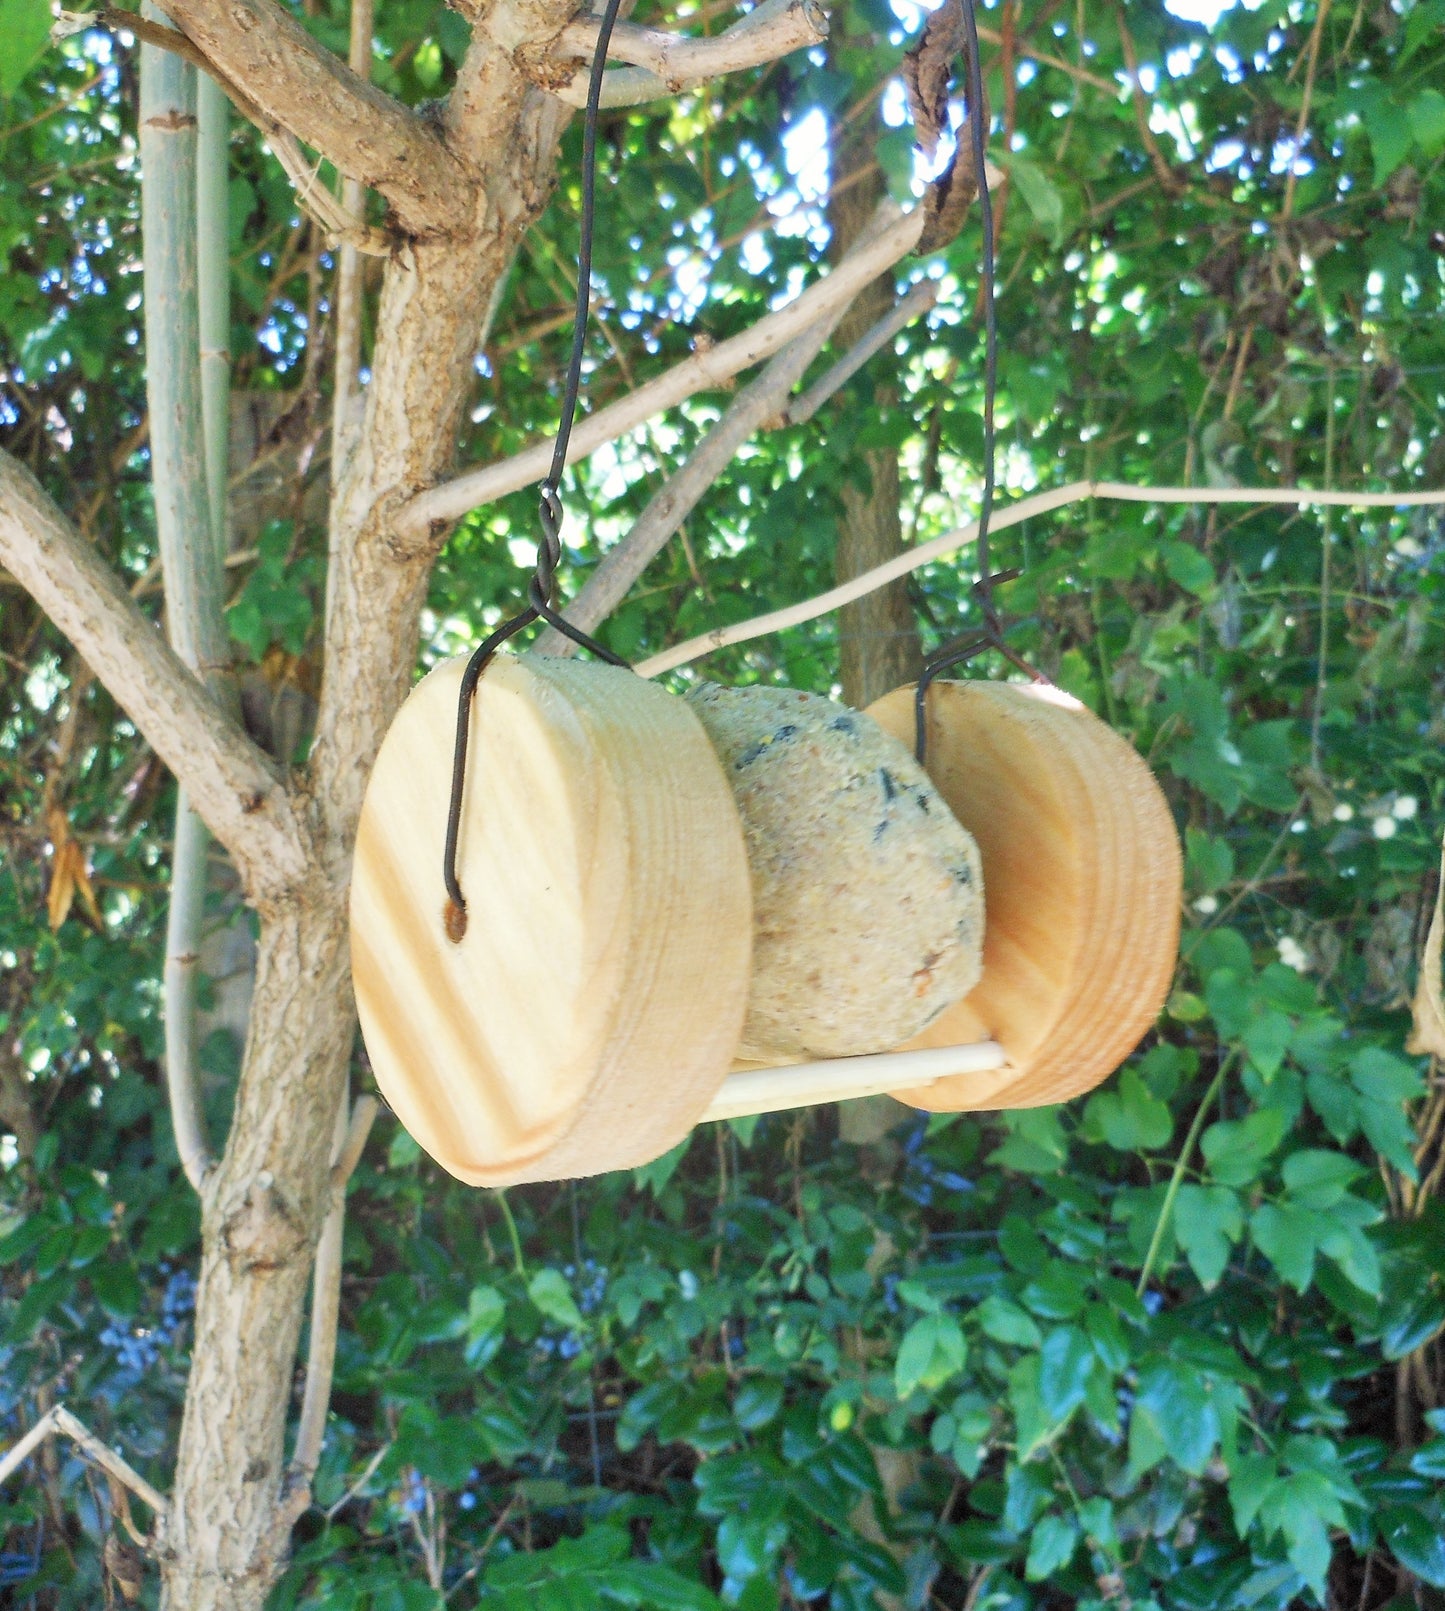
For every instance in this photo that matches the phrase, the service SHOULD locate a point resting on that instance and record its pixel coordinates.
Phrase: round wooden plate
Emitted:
(591, 1010)
(1082, 883)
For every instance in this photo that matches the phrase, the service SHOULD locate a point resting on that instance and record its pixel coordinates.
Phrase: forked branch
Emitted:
(892, 237)
(299, 85)
(663, 63)
(59, 1419)
(232, 784)
(610, 583)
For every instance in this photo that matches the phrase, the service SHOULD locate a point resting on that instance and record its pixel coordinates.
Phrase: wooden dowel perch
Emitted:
(840, 1079)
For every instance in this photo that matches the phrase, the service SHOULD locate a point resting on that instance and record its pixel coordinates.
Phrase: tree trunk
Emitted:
(262, 1209)
(232, 1508)
(877, 636)
(878, 646)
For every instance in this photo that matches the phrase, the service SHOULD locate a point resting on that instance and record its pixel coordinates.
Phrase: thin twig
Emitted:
(1302, 123)
(1181, 1163)
(326, 1293)
(1040, 504)
(1322, 675)
(485, 1549)
(367, 1474)
(1168, 179)
(1030, 52)
(319, 203)
(363, 1116)
(59, 1419)
(913, 305)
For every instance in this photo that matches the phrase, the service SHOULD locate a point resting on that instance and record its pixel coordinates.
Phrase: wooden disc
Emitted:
(1082, 883)
(591, 1009)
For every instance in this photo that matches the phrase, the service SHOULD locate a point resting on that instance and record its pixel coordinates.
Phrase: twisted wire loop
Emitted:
(540, 589)
(991, 636)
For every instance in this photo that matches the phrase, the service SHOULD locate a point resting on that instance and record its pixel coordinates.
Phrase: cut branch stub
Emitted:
(1084, 878)
(590, 1012)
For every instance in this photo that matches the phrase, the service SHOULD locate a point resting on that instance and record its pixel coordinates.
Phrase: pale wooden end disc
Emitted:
(591, 1010)
(1082, 882)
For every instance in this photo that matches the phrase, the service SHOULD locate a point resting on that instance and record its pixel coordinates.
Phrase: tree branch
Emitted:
(326, 1307)
(909, 307)
(610, 583)
(663, 63)
(336, 218)
(1041, 503)
(231, 783)
(296, 83)
(59, 1419)
(894, 236)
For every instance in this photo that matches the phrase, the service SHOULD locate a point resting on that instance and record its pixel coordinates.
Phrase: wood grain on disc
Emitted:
(1082, 878)
(591, 1010)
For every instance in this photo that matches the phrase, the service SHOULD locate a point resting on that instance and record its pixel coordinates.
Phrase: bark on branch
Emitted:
(663, 63)
(231, 783)
(304, 88)
(895, 235)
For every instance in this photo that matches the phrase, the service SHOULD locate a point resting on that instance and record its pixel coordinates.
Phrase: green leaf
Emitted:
(117, 1287)
(1352, 1250)
(1417, 1542)
(1178, 1417)
(25, 29)
(1288, 1237)
(758, 1401)
(1251, 1478)
(1427, 121)
(1318, 1179)
(933, 1350)
(1188, 567)
(1266, 1038)
(1005, 1322)
(654, 1176)
(1429, 1459)
(1130, 1118)
(486, 1317)
(1036, 1143)
(1065, 1362)
(1042, 196)
(1208, 1221)
(1390, 135)
(1051, 1546)
(1236, 1149)
(1031, 1424)
(1209, 862)
(550, 1293)
(746, 1127)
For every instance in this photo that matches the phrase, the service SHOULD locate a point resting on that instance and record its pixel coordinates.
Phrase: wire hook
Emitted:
(991, 635)
(549, 511)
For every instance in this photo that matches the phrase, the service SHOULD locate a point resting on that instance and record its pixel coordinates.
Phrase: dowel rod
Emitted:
(837, 1079)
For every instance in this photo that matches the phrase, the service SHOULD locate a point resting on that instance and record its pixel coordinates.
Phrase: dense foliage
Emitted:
(1174, 1346)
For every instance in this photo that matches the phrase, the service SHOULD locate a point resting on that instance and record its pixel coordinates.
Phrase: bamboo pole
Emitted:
(189, 541)
(346, 376)
(213, 177)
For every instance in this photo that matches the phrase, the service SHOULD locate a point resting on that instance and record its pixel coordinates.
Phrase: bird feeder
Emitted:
(592, 1011)
(657, 931)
